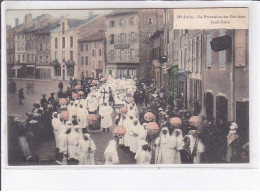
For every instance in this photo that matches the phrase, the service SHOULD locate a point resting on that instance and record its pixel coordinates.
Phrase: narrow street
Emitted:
(46, 149)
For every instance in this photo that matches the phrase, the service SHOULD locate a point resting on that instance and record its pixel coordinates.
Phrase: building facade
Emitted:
(64, 48)
(26, 45)
(92, 55)
(127, 42)
(226, 78)
(157, 51)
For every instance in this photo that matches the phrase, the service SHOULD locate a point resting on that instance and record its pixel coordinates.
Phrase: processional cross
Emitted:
(104, 95)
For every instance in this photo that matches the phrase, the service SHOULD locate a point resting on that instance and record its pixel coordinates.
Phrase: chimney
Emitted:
(28, 20)
(16, 22)
(90, 13)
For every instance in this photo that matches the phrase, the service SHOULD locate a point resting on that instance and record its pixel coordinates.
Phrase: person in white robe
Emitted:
(82, 118)
(106, 116)
(176, 144)
(86, 150)
(110, 154)
(162, 147)
(128, 122)
(92, 105)
(69, 109)
(134, 131)
(132, 111)
(122, 122)
(69, 141)
(196, 145)
(56, 130)
(144, 156)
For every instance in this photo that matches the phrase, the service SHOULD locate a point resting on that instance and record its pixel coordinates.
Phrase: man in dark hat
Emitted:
(21, 96)
(43, 100)
(61, 86)
(186, 156)
(51, 99)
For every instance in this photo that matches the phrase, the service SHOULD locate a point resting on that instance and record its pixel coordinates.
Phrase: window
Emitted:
(122, 38)
(57, 71)
(23, 58)
(86, 73)
(46, 58)
(121, 54)
(81, 47)
(122, 22)
(71, 41)
(27, 58)
(93, 53)
(222, 54)
(132, 54)
(40, 47)
(131, 21)
(86, 60)
(209, 52)
(112, 55)
(86, 47)
(70, 71)
(40, 59)
(63, 56)
(56, 43)
(71, 55)
(63, 27)
(82, 60)
(112, 39)
(100, 52)
(32, 58)
(55, 55)
(63, 42)
(132, 37)
(150, 21)
(110, 72)
(112, 23)
(19, 58)
(197, 54)
(100, 65)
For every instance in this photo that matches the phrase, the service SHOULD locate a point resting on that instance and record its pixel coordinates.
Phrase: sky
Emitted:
(75, 14)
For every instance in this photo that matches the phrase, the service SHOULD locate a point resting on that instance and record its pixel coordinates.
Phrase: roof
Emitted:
(92, 38)
(122, 12)
(74, 23)
(157, 33)
(48, 28)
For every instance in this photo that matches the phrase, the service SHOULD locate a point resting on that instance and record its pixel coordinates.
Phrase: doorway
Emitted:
(63, 74)
(242, 120)
(209, 103)
(221, 109)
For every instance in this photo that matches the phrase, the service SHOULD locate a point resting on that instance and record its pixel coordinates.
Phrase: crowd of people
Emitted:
(150, 124)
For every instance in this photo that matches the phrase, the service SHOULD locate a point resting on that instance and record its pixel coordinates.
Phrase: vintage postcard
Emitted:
(127, 86)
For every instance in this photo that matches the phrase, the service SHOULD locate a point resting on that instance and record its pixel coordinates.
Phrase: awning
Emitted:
(30, 65)
(43, 67)
(17, 67)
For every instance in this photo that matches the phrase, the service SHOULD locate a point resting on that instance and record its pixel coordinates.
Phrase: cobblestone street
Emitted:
(46, 149)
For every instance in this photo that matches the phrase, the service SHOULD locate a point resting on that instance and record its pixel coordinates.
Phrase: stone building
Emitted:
(64, 48)
(10, 44)
(26, 44)
(127, 41)
(189, 73)
(226, 78)
(91, 55)
(157, 51)
(43, 51)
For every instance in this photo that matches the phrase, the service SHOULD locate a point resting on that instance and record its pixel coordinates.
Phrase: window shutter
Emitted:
(222, 55)
(209, 52)
(240, 48)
